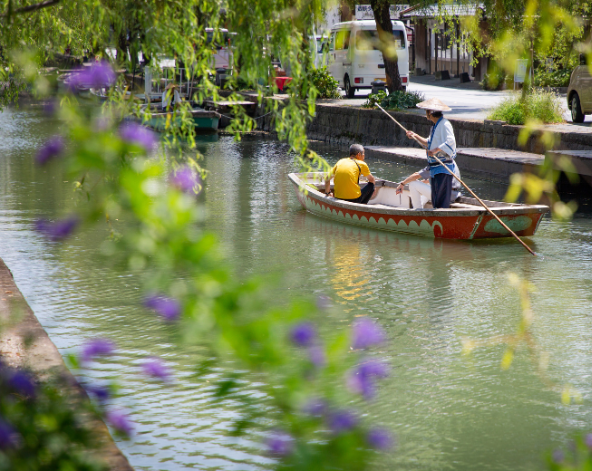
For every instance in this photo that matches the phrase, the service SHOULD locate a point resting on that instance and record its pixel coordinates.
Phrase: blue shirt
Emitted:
(442, 136)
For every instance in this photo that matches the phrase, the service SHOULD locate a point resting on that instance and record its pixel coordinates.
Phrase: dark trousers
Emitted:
(365, 196)
(441, 190)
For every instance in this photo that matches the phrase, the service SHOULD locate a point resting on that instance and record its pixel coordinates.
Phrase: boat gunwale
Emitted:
(509, 210)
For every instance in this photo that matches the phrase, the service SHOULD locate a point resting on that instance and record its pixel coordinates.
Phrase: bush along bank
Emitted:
(540, 105)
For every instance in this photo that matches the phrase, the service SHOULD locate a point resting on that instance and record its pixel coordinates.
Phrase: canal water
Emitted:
(448, 410)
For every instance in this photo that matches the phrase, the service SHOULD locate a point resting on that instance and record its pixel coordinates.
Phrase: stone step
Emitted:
(497, 164)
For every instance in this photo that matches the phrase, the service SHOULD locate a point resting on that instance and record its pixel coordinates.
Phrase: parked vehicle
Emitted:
(579, 92)
(354, 58)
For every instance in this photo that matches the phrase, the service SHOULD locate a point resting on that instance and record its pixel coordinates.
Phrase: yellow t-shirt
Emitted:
(346, 174)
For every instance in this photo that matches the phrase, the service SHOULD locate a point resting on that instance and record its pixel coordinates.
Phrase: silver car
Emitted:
(579, 92)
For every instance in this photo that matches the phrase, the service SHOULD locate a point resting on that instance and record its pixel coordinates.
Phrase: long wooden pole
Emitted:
(468, 189)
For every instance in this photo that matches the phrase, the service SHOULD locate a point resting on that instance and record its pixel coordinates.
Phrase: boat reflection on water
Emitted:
(396, 242)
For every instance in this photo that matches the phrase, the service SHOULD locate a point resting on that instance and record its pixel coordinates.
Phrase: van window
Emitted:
(342, 39)
(332, 42)
(225, 39)
(367, 40)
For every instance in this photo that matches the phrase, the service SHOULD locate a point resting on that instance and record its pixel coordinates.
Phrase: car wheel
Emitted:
(576, 110)
(349, 91)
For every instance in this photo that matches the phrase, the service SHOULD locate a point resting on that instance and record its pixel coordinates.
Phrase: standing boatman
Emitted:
(442, 144)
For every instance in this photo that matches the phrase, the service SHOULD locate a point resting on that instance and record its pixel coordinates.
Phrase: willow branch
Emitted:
(30, 8)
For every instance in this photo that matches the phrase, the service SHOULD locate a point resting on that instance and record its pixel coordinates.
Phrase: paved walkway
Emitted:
(468, 100)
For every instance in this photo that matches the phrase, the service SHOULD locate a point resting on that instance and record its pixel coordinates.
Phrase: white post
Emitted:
(147, 81)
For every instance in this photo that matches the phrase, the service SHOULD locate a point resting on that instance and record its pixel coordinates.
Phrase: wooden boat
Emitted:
(203, 120)
(465, 219)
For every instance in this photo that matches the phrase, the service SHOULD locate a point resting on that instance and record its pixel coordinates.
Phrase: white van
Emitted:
(354, 59)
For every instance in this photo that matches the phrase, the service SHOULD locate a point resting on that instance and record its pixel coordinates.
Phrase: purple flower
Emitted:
(134, 133)
(316, 407)
(157, 369)
(57, 230)
(558, 456)
(380, 438)
(101, 393)
(98, 75)
(52, 149)
(323, 302)
(303, 334)
(342, 421)
(8, 435)
(49, 107)
(588, 440)
(361, 380)
(22, 383)
(186, 179)
(97, 347)
(120, 422)
(366, 333)
(280, 443)
(168, 308)
(316, 355)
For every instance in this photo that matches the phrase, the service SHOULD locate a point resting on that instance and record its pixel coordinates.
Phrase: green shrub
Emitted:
(398, 100)
(541, 105)
(494, 80)
(556, 78)
(326, 85)
(374, 99)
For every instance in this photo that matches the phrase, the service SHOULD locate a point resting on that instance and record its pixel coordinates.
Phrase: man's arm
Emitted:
(328, 183)
(417, 137)
(409, 179)
(370, 178)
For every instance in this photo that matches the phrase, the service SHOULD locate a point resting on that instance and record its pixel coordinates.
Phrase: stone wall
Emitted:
(345, 125)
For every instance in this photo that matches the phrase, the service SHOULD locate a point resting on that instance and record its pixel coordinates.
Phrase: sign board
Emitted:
(520, 71)
(364, 12)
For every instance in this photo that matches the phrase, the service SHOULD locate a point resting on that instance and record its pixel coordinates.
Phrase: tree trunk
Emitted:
(387, 45)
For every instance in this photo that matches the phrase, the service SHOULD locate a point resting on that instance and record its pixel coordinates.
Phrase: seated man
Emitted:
(346, 180)
(419, 186)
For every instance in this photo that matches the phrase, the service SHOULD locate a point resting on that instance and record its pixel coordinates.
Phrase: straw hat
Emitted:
(171, 85)
(433, 104)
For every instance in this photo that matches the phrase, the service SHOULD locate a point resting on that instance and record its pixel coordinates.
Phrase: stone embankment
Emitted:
(26, 344)
(485, 148)
(345, 125)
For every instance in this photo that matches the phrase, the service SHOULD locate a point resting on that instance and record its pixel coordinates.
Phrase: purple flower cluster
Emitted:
(361, 379)
(280, 443)
(186, 179)
(121, 422)
(168, 308)
(52, 149)
(366, 333)
(57, 230)
(156, 368)
(20, 382)
(342, 420)
(101, 393)
(134, 133)
(96, 347)
(380, 438)
(305, 335)
(98, 75)
(588, 440)
(8, 436)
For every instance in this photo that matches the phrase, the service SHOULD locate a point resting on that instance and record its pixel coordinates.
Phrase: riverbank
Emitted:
(26, 344)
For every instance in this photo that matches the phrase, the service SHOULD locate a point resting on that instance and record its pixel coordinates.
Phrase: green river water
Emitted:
(447, 410)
